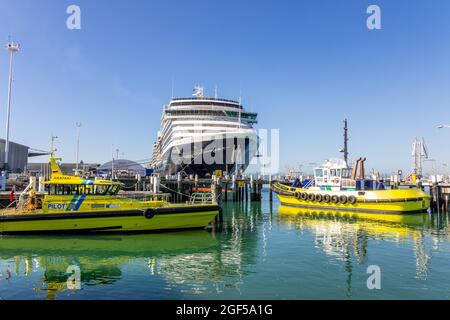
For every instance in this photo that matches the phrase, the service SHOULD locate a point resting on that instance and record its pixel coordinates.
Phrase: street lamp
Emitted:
(78, 125)
(12, 47)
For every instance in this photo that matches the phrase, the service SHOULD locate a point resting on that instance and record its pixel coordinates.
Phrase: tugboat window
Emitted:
(101, 190)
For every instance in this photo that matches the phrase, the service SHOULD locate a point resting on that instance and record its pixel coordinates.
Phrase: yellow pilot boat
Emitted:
(335, 187)
(74, 204)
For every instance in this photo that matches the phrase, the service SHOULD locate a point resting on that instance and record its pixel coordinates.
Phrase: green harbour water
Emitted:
(257, 253)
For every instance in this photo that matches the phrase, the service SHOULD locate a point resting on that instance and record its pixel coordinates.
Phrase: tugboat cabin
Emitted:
(334, 173)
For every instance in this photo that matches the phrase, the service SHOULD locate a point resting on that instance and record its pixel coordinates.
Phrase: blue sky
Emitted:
(302, 65)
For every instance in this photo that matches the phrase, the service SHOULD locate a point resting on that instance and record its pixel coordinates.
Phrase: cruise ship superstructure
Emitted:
(200, 135)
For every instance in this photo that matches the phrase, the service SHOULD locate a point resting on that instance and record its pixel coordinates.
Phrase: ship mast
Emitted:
(345, 149)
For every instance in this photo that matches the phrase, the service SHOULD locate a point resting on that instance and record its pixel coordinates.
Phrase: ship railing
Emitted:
(201, 197)
(144, 196)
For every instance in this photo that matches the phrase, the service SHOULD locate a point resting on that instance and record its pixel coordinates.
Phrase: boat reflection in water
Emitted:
(175, 263)
(345, 236)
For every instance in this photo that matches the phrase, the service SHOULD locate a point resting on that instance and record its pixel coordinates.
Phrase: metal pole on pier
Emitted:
(12, 48)
(78, 125)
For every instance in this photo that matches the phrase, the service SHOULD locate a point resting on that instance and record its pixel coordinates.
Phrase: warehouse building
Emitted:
(18, 156)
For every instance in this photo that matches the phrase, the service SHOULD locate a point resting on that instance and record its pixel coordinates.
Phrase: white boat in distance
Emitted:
(199, 135)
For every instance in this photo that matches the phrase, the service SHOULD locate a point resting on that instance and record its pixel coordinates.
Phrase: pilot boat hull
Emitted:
(372, 201)
(174, 217)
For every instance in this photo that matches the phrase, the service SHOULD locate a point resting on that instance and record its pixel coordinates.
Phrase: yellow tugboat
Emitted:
(74, 204)
(335, 187)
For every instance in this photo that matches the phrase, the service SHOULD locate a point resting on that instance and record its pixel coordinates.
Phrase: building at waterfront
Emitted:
(18, 156)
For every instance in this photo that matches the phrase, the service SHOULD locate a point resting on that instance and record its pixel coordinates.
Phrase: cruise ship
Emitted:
(200, 135)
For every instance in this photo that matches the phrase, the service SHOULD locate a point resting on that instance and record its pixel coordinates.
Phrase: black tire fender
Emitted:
(326, 198)
(343, 199)
(149, 213)
(318, 197)
(352, 199)
(304, 196)
(334, 199)
(311, 197)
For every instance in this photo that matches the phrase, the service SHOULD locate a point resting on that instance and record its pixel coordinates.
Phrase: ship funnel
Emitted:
(355, 168)
(362, 172)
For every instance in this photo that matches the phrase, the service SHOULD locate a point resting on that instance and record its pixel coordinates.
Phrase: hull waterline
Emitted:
(161, 219)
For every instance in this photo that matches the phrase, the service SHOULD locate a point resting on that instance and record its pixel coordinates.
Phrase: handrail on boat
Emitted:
(201, 197)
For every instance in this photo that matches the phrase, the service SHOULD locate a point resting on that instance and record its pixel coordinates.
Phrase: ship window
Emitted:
(101, 190)
(338, 172)
(333, 172)
(345, 173)
(319, 172)
(89, 189)
(113, 190)
(53, 189)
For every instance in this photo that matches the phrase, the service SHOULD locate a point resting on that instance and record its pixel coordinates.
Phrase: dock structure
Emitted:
(241, 189)
(440, 197)
(249, 188)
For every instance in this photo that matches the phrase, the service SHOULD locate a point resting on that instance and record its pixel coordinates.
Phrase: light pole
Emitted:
(78, 125)
(112, 163)
(12, 48)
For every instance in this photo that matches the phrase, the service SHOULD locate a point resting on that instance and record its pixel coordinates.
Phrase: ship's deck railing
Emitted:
(144, 196)
(201, 197)
(205, 98)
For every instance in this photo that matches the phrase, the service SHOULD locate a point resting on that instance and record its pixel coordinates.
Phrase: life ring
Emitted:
(318, 197)
(326, 198)
(297, 194)
(304, 196)
(311, 197)
(352, 199)
(343, 199)
(149, 213)
(334, 199)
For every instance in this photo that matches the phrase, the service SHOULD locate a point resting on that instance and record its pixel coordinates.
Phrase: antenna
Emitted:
(173, 85)
(52, 143)
(240, 106)
(215, 93)
(345, 149)
(198, 92)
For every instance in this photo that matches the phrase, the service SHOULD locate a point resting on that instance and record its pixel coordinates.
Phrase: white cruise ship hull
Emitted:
(230, 152)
